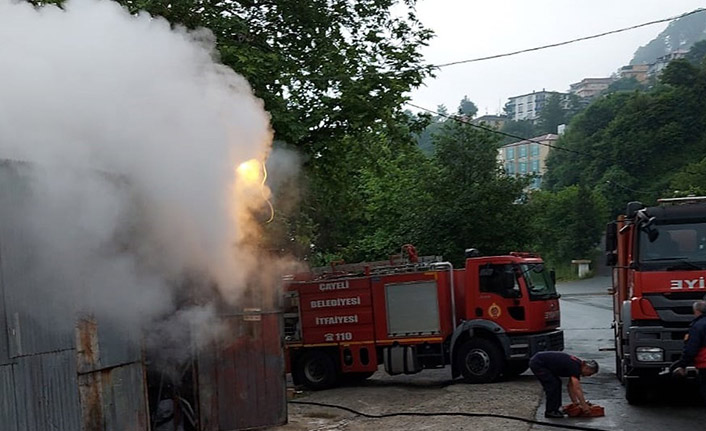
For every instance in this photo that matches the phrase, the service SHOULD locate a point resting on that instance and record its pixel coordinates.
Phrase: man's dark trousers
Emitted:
(551, 384)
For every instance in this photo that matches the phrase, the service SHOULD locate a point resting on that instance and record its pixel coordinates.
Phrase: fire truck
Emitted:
(658, 255)
(412, 313)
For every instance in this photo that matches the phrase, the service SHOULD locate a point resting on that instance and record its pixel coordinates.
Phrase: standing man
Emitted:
(695, 347)
(549, 367)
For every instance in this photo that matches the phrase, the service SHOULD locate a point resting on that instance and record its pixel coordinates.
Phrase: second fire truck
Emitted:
(658, 256)
(484, 320)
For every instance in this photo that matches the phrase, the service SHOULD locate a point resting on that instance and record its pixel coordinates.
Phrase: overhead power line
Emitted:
(509, 135)
(581, 39)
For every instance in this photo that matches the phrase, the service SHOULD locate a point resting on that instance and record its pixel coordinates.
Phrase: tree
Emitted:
(475, 204)
(523, 128)
(334, 76)
(697, 53)
(630, 145)
(624, 84)
(467, 108)
(566, 224)
(552, 114)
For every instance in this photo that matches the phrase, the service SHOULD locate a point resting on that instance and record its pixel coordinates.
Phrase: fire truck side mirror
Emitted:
(633, 208)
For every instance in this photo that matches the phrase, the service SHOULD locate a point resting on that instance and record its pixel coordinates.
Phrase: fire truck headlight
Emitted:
(650, 354)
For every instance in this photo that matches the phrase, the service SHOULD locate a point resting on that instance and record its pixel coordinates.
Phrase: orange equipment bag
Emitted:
(573, 410)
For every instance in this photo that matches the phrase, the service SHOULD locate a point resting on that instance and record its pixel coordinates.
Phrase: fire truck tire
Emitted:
(635, 392)
(480, 361)
(317, 370)
(515, 368)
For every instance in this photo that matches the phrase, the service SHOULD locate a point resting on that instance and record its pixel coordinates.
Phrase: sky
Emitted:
(469, 29)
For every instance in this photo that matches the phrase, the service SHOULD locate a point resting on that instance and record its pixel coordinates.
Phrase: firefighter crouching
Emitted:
(549, 367)
(695, 348)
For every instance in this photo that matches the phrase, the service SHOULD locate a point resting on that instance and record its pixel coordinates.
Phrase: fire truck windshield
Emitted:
(539, 282)
(673, 247)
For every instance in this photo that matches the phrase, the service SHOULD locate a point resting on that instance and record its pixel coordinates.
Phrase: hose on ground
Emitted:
(430, 414)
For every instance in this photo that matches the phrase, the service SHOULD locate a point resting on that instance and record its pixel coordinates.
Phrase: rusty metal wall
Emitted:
(114, 399)
(242, 381)
(46, 392)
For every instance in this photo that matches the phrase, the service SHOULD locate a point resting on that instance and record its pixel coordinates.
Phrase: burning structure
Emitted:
(131, 289)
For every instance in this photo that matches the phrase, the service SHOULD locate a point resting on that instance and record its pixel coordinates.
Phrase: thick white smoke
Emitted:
(133, 134)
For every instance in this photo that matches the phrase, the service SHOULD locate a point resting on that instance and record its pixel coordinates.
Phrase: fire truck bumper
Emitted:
(525, 346)
(654, 346)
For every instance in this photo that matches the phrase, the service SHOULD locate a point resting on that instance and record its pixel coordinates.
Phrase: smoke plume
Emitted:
(128, 136)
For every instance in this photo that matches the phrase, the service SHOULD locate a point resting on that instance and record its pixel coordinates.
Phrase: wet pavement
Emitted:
(586, 318)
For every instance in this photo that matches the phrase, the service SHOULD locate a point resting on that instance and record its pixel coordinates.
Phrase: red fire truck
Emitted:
(484, 320)
(658, 256)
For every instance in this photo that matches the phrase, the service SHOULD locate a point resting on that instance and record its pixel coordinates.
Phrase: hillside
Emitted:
(680, 34)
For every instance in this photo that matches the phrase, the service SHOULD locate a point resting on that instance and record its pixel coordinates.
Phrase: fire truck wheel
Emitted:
(635, 392)
(480, 361)
(317, 370)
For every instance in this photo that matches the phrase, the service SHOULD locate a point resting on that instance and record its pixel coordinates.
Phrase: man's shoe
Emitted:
(556, 414)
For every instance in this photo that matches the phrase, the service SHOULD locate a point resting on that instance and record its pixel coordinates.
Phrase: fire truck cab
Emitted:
(485, 320)
(658, 256)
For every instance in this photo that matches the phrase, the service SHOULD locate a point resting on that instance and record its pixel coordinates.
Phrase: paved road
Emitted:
(586, 316)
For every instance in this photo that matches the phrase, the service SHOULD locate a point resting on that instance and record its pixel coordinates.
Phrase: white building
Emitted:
(529, 106)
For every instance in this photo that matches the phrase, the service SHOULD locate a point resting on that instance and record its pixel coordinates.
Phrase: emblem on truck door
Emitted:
(494, 311)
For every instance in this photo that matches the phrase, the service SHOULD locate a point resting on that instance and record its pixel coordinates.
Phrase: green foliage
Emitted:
(467, 108)
(334, 76)
(624, 84)
(690, 180)
(552, 115)
(566, 224)
(523, 128)
(632, 144)
(697, 53)
(475, 204)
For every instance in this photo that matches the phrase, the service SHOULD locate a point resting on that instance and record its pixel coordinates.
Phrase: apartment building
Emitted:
(589, 88)
(529, 106)
(527, 158)
(637, 71)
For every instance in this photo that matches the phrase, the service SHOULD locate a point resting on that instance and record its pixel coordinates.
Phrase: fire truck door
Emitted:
(501, 296)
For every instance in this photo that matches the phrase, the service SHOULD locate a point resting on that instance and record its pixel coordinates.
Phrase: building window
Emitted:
(534, 150)
(523, 167)
(510, 168)
(523, 150)
(510, 153)
(536, 183)
(535, 166)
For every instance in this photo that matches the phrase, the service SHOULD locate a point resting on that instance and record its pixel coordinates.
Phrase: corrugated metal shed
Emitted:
(34, 325)
(8, 408)
(114, 399)
(46, 392)
(4, 352)
(63, 371)
(241, 382)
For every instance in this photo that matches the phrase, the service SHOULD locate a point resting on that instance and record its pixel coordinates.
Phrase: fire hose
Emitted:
(463, 414)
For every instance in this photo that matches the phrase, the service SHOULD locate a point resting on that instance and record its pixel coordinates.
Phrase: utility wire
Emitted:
(449, 414)
(510, 135)
(580, 39)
